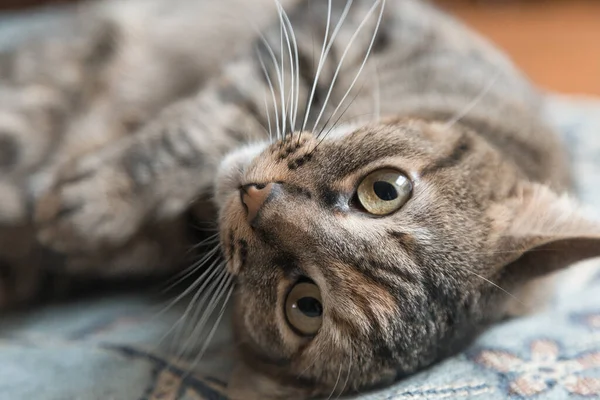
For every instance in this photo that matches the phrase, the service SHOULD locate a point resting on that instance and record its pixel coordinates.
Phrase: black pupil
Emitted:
(385, 190)
(310, 307)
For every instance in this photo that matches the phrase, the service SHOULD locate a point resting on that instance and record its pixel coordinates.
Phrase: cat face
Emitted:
(369, 255)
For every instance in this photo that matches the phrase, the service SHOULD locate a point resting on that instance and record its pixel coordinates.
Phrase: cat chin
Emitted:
(232, 168)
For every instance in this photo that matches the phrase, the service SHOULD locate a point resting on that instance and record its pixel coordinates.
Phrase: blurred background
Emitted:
(556, 42)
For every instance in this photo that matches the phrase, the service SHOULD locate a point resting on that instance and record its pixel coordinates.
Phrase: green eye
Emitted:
(384, 191)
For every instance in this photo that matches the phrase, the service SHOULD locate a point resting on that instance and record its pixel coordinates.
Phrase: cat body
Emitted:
(383, 195)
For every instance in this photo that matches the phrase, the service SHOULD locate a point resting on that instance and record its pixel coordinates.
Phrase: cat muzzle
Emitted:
(253, 197)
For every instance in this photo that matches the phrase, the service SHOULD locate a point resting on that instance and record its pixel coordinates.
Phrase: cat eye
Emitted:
(304, 308)
(384, 191)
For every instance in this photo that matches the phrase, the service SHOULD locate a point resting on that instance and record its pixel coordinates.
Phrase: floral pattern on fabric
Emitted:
(544, 369)
(591, 320)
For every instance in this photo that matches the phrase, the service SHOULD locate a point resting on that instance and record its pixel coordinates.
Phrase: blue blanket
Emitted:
(127, 348)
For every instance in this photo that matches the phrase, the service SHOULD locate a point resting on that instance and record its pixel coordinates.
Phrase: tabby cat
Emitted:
(384, 184)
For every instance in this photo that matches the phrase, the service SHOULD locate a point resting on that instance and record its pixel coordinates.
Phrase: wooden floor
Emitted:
(557, 43)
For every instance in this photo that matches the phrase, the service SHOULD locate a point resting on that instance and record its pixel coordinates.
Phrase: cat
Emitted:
(384, 183)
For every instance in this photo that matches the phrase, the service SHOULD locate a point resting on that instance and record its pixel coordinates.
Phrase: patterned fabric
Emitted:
(115, 348)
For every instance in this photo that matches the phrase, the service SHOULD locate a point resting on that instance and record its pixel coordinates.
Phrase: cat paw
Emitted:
(88, 208)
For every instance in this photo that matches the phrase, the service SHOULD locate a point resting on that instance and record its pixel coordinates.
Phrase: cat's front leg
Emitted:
(102, 199)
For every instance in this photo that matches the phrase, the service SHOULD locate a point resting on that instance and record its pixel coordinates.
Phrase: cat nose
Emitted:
(254, 196)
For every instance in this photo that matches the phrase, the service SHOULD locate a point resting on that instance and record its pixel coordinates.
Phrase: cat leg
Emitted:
(102, 199)
(157, 250)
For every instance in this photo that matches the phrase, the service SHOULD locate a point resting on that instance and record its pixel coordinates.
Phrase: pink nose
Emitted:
(253, 197)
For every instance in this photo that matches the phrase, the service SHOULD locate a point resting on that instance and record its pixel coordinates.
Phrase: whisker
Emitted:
(295, 78)
(351, 118)
(340, 117)
(195, 304)
(376, 93)
(313, 362)
(268, 119)
(336, 383)
(265, 71)
(474, 102)
(319, 66)
(347, 375)
(174, 329)
(216, 324)
(282, 78)
(275, 108)
(498, 287)
(198, 282)
(189, 271)
(348, 46)
(278, 72)
(324, 54)
(187, 291)
(205, 226)
(191, 366)
(335, 123)
(201, 311)
(207, 311)
(493, 252)
(214, 238)
(290, 101)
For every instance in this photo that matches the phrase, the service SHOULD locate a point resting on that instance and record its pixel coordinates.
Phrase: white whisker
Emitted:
(362, 66)
(268, 118)
(295, 70)
(264, 68)
(290, 100)
(216, 324)
(347, 374)
(376, 93)
(340, 63)
(474, 102)
(176, 325)
(200, 312)
(211, 239)
(187, 291)
(275, 108)
(282, 77)
(206, 311)
(187, 272)
(203, 283)
(498, 287)
(319, 66)
(335, 123)
(278, 72)
(324, 53)
(336, 383)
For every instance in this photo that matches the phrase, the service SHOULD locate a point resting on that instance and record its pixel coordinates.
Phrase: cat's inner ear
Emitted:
(541, 232)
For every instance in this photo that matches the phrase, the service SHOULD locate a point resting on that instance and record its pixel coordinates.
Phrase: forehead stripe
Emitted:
(460, 149)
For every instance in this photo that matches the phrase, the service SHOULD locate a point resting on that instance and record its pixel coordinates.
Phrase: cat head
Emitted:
(367, 255)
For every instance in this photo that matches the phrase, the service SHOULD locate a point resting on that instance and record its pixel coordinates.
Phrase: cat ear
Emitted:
(542, 232)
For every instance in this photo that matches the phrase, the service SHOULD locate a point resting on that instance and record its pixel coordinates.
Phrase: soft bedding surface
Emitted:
(117, 348)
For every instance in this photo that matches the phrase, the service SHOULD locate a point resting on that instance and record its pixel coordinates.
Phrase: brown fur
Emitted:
(399, 292)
